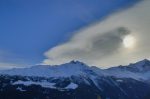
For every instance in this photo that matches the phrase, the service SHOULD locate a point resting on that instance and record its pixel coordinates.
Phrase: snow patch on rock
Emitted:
(72, 86)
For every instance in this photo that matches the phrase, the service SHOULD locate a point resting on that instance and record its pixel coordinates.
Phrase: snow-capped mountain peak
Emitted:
(141, 66)
(144, 61)
(138, 70)
(63, 70)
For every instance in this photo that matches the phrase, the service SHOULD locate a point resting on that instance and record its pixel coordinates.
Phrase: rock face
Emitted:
(76, 80)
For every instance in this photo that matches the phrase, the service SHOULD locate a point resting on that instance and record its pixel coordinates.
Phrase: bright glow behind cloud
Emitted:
(101, 43)
(129, 41)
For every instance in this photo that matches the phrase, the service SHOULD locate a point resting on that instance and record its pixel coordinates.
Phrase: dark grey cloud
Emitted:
(109, 42)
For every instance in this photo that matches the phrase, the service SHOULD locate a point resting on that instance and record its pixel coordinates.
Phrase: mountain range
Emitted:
(76, 80)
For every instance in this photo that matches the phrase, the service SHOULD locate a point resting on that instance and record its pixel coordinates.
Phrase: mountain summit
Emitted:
(138, 70)
(76, 80)
(63, 70)
(141, 66)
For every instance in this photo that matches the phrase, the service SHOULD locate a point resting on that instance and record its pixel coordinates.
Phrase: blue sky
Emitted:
(28, 28)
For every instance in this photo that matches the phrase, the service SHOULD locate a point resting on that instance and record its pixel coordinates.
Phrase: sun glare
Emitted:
(129, 41)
